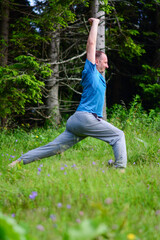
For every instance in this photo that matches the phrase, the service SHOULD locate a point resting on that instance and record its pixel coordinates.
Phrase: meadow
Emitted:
(76, 195)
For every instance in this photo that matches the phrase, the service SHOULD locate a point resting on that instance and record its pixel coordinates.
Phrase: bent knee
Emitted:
(118, 136)
(121, 135)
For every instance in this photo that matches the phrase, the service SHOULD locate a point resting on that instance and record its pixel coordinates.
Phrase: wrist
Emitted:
(94, 21)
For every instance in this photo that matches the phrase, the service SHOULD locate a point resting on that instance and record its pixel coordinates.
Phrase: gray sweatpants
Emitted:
(79, 126)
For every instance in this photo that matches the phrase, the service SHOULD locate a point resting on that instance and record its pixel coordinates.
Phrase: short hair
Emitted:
(99, 54)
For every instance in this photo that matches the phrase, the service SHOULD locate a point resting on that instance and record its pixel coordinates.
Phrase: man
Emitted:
(87, 120)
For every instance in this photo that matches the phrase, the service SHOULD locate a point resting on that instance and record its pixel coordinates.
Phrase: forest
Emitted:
(43, 51)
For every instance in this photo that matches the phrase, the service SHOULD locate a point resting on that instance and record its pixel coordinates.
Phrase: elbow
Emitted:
(90, 45)
(91, 42)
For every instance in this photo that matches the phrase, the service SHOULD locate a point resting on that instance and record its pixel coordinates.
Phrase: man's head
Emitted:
(101, 61)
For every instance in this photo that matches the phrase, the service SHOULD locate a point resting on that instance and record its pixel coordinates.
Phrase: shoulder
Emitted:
(89, 66)
(90, 73)
(89, 69)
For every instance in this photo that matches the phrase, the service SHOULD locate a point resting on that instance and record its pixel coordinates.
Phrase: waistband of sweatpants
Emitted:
(94, 114)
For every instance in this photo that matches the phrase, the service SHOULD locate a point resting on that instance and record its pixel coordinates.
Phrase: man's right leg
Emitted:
(59, 145)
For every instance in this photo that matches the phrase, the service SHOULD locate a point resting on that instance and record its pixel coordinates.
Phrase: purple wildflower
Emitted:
(59, 205)
(62, 168)
(108, 201)
(65, 165)
(48, 175)
(68, 206)
(33, 195)
(40, 227)
(110, 162)
(13, 215)
(53, 217)
(158, 212)
(73, 165)
(81, 213)
(93, 163)
(65, 173)
(39, 169)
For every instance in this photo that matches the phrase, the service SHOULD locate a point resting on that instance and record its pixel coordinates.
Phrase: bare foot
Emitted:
(13, 163)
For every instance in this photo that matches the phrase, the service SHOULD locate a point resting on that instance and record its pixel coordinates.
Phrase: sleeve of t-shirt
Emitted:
(89, 68)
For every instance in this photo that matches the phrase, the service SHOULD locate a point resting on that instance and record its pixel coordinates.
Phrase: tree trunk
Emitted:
(52, 83)
(95, 12)
(4, 31)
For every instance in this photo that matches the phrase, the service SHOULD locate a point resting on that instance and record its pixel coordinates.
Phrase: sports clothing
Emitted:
(94, 87)
(79, 126)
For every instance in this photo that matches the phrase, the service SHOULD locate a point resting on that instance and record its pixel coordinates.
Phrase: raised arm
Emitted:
(92, 38)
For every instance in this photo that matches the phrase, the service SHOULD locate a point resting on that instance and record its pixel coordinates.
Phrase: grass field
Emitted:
(75, 195)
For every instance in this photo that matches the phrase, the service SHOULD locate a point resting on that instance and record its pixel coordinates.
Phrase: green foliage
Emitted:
(149, 82)
(20, 84)
(141, 128)
(120, 32)
(87, 230)
(55, 14)
(132, 38)
(106, 7)
(33, 29)
(135, 116)
(131, 49)
(10, 230)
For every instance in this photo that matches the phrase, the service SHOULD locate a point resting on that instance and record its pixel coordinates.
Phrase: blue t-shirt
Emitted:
(94, 86)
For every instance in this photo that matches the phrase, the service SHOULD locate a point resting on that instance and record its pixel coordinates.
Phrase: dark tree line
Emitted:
(42, 54)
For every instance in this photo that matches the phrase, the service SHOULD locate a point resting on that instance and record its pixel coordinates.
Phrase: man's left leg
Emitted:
(116, 138)
(87, 124)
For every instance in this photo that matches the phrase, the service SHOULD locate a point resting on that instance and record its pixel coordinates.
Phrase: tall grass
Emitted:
(77, 195)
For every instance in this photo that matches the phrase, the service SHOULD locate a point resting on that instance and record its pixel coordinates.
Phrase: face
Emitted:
(102, 63)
